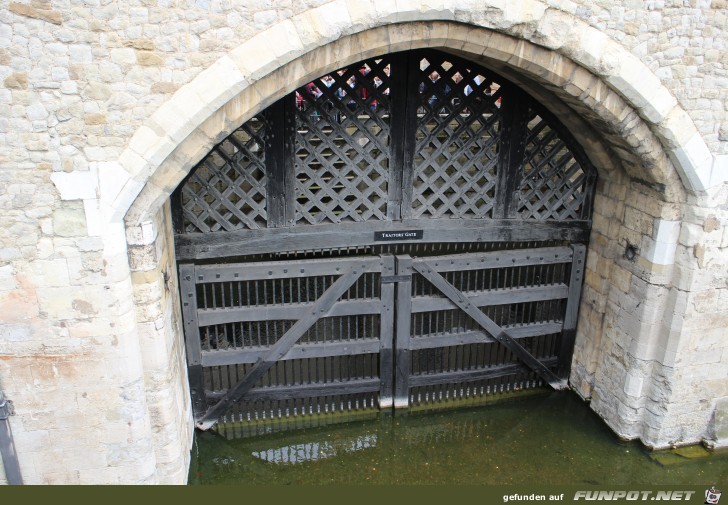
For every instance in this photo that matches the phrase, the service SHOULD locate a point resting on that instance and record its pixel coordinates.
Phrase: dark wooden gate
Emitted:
(417, 173)
(467, 324)
(314, 335)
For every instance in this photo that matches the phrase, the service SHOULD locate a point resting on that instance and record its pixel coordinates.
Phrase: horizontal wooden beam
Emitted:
(480, 337)
(193, 246)
(472, 375)
(294, 269)
(306, 390)
(298, 351)
(499, 259)
(493, 297)
(289, 311)
(293, 311)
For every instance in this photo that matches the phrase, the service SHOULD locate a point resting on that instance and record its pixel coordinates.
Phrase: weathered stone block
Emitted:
(501, 47)
(677, 128)
(69, 220)
(76, 185)
(693, 161)
(215, 86)
(587, 47)
(44, 13)
(660, 249)
(164, 87)
(149, 58)
(633, 385)
(524, 15)
(641, 88)
(51, 273)
(7, 278)
(719, 423)
(621, 279)
(255, 58)
(123, 56)
(36, 141)
(17, 80)
(383, 11)
(556, 28)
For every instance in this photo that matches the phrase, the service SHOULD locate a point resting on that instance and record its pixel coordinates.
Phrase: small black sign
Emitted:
(380, 236)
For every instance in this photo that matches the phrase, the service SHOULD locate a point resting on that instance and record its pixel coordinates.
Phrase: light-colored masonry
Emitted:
(105, 106)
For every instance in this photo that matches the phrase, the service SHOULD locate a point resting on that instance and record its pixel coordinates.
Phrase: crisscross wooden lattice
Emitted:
(342, 145)
(553, 183)
(409, 140)
(227, 190)
(457, 138)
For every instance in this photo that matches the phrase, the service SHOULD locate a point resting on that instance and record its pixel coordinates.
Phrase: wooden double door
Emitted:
(270, 341)
(405, 231)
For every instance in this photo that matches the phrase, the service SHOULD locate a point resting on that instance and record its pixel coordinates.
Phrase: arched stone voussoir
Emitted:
(342, 31)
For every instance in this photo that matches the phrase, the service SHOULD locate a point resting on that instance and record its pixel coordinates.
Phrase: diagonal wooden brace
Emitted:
(280, 348)
(498, 333)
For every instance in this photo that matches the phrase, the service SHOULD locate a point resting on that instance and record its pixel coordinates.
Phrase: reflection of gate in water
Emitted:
(406, 231)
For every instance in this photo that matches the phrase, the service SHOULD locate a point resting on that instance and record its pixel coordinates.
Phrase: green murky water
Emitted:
(550, 438)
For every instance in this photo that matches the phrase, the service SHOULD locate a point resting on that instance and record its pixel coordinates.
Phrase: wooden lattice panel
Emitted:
(342, 145)
(227, 190)
(418, 137)
(457, 138)
(554, 183)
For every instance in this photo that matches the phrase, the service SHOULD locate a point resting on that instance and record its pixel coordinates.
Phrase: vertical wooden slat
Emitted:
(409, 141)
(386, 333)
(402, 350)
(289, 168)
(398, 144)
(275, 165)
(589, 193)
(178, 224)
(279, 155)
(510, 156)
(188, 291)
(568, 333)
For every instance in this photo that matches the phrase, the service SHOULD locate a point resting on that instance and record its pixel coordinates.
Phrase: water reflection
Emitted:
(314, 451)
(553, 438)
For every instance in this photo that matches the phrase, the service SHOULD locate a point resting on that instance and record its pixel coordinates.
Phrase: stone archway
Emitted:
(636, 134)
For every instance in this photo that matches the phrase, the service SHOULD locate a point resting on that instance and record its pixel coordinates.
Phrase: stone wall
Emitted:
(156, 296)
(660, 317)
(105, 105)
